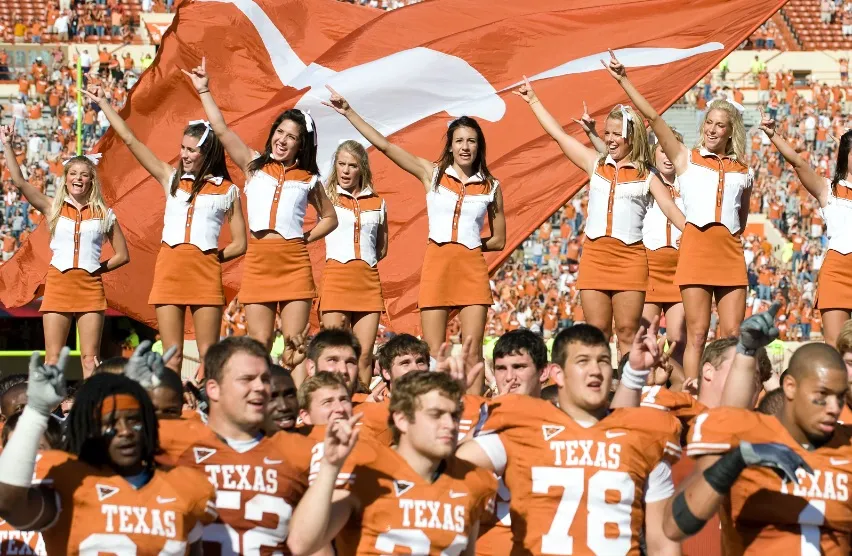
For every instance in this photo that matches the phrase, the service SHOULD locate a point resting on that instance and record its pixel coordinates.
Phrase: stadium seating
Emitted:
(803, 17)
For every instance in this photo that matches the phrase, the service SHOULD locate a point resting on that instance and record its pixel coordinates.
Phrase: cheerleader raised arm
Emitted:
(715, 186)
(613, 273)
(460, 194)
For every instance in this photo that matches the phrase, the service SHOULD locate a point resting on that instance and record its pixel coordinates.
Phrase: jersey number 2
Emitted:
(600, 512)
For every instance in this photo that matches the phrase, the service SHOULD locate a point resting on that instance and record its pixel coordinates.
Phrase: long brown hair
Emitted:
(306, 159)
(446, 158)
(212, 165)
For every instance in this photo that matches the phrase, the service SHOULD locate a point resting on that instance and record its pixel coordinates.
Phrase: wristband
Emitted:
(684, 518)
(634, 380)
(722, 475)
(18, 459)
(204, 91)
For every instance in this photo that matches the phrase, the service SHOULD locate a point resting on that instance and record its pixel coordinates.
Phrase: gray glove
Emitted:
(146, 367)
(778, 457)
(46, 383)
(758, 331)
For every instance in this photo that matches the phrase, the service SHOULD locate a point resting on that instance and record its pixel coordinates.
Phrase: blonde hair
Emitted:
(357, 150)
(95, 199)
(637, 138)
(736, 146)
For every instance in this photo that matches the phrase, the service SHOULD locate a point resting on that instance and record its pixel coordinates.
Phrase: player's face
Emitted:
(617, 146)
(78, 179)
(13, 401)
(847, 359)
(818, 400)
(663, 163)
(435, 429)
(404, 364)
(327, 405)
(348, 170)
(125, 446)
(586, 376)
(190, 154)
(340, 360)
(167, 403)
(285, 141)
(465, 146)
(244, 390)
(516, 374)
(718, 128)
(283, 407)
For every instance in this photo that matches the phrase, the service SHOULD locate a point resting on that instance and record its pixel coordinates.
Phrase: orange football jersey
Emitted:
(176, 436)
(764, 514)
(374, 421)
(101, 513)
(256, 490)
(13, 541)
(495, 529)
(576, 490)
(400, 513)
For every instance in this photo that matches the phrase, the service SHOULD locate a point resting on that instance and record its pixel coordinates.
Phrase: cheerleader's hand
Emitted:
(615, 68)
(526, 92)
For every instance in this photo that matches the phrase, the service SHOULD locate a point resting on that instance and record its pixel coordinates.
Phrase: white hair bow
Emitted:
(740, 108)
(309, 124)
(625, 118)
(93, 158)
(207, 129)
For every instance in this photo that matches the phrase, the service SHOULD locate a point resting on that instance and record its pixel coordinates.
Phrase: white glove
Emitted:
(146, 367)
(46, 383)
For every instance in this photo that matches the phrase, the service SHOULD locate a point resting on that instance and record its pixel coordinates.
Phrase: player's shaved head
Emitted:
(812, 358)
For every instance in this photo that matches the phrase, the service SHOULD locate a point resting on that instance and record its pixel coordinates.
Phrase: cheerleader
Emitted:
(280, 183)
(460, 193)
(661, 239)
(834, 284)
(79, 222)
(351, 295)
(613, 273)
(199, 198)
(715, 186)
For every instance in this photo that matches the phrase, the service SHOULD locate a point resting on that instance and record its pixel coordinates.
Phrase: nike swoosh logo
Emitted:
(457, 494)
(267, 461)
(613, 434)
(834, 461)
(161, 500)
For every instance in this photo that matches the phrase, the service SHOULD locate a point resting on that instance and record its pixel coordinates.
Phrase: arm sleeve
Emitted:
(717, 431)
(660, 485)
(496, 451)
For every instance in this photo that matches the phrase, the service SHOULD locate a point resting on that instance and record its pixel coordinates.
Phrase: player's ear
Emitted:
(707, 372)
(557, 375)
(305, 416)
(400, 421)
(385, 375)
(211, 388)
(310, 367)
(548, 372)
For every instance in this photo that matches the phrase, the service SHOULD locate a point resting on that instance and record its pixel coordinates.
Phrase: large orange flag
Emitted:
(409, 72)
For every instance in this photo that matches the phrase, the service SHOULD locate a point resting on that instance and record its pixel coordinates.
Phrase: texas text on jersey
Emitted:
(101, 512)
(763, 514)
(574, 489)
(257, 485)
(399, 513)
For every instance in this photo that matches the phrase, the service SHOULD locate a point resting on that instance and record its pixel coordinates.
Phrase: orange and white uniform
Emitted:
(15, 542)
(188, 271)
(574, 488)
(258, 483)
(613, 257)
(764, 514)
(400, 513)
(712, 189)
(686, 408)
(350, 280)
(661, 239)
(277, 267)
(101, 513)
(72, 285)
(374, 420)
(834, 290)
(457, 211)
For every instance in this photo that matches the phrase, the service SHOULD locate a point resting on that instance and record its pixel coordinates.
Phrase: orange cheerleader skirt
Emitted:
(710, 256)
(186, 275)
(834, 284)
(72, 291)
(276, 269)
(609, 264)
(453, 276)
(353, 287)
(662, 266)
